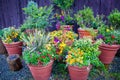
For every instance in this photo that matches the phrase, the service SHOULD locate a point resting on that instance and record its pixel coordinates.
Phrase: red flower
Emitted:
(113, 37)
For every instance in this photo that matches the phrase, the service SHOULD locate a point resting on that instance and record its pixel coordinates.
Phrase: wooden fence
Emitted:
(11, 10)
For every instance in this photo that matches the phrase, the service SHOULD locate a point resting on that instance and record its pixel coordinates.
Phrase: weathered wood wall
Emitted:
(11, 10)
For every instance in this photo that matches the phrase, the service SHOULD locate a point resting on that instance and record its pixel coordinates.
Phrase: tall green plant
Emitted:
(84, 17)
(63, 4)
(37, 17)
(114, 18)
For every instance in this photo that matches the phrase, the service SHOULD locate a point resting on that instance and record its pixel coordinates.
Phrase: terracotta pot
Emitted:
(66, 27)
(77, 73)
(40, 72)
(108, 53)
(84, 33)
(29, 31)
(14, 48)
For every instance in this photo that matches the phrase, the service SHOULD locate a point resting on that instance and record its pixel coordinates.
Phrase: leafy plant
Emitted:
(84, 17)
(109, 35)
(11, 35)
(39, 51)
(37, 17)
(97, 22)
(114, 18)
(84, 52)
(63, 4)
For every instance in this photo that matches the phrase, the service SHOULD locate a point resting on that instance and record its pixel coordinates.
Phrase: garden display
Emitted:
(47, 47)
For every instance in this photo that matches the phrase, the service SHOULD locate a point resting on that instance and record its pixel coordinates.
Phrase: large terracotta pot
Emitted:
(40, 72)
(108, 53)
(77, 73)
(14, 48)
(84, 33)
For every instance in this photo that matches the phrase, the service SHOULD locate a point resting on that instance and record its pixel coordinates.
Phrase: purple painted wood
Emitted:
(11, 12)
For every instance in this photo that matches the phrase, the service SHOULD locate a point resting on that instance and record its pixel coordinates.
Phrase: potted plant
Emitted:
(12, 40)
(64, 22)
(113, 18)
(39, 54)
(37, 17)
(111, 43)
(84, 19)
(82, 55)
(64, 18)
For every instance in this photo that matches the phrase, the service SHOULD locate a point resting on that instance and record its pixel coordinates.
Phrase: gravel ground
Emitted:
(24, 73)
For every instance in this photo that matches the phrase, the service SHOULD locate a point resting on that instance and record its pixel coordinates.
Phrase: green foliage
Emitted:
(1, 33)
(37, 17)
(109, 34)
(97, 22)
(63, 4)
(84, 17)
(114, 18)
(90, 49)
(38, 50)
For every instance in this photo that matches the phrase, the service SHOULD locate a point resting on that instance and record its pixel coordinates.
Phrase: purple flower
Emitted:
(62, 18)
(58, 25)
(56, 40)
(100, 36)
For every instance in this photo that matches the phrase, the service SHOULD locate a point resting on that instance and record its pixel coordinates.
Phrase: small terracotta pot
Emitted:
(14, 48)
(108, 53)
(77, 73)
(84, 33)
(29, 31)
(66, 27)
(40, 72)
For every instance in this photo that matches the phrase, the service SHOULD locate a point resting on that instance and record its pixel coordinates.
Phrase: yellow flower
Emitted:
(81, 61)
(62, 45)
(72, 61)
(107, 30)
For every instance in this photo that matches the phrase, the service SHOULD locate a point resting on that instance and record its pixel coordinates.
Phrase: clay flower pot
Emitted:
(77, 73)
(84, 33)
(68, 27)
(29, 31)
(108, 53)
(40, 72)
(14, 48)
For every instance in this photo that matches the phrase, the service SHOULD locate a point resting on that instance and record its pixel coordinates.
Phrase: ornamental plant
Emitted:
(114, 18)
(84, 17)
(11, 35)
(61, 39)
(39, 51)
(37, 17)
(63, 4)
(109, 35)
(84, 52)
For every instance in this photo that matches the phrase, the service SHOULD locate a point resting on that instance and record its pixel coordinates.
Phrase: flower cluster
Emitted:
(84, 52)
(11, 35)
(62, 38)
(39, 50)
(75, 56)
(109, 35)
